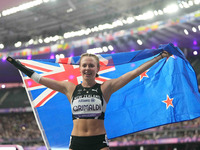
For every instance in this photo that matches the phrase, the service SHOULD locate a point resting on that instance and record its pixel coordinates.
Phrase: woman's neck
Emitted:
(88, 83)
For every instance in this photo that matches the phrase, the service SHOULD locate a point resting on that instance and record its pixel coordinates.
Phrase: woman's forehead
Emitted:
(88, 59)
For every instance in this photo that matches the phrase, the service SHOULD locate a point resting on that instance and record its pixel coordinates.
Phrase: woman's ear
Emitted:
(98, 69)
(97, 75)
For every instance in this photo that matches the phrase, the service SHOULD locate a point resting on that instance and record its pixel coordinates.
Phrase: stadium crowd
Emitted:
(21, 127)
(182, 130)
(18, 127)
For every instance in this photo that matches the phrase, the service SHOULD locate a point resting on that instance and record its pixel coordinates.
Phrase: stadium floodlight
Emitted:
(70, 10)
(130, 20)
(195, 53)
(139, 42)
(194, 29)
(148, 15)
(185, 4)
(155, 12)
(40, 41)
(172, 8)
(18, 44)
(21, 7)
(105, 49)
(1, 46)
(160, 12)
(100, 49)
(95, 29)
(145, 16)
(88, 31)
(117, 23)
(180, 5)
(190, 3)
(186, 31)
(55, 38)
(47, 40)
(110, 47)
(196, 2)
(45, 1)
(31, 41)
(59, 56)
(62, 56)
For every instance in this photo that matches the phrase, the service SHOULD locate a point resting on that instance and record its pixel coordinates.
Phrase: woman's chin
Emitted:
(88, 77)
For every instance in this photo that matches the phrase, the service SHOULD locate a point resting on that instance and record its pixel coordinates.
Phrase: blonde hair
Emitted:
(91, 55)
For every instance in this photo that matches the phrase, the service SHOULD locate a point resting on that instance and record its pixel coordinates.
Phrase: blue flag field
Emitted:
(166, 93)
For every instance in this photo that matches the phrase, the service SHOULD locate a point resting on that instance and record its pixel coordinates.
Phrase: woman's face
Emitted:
(88, 67)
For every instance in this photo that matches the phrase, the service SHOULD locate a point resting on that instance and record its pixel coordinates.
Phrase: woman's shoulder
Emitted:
(69, 86)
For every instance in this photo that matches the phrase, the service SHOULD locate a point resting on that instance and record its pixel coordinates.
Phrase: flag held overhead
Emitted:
(165, 93)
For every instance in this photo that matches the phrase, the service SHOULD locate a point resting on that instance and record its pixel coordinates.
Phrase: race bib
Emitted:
(87, 107)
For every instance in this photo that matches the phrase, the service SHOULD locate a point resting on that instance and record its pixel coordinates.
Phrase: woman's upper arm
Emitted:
(116, 84)
(60, 86)
(111, 86)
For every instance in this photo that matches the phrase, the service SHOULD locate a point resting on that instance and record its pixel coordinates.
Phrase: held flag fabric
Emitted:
(165, 93)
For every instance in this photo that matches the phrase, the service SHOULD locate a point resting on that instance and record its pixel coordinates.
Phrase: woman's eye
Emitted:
(91, 65)
(84, 65)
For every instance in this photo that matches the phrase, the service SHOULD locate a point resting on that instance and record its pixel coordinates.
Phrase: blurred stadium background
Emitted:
(43, 29)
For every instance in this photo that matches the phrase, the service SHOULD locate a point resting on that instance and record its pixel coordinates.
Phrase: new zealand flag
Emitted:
(165, 93)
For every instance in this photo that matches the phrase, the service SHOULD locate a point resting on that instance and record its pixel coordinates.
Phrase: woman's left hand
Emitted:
(165, 54)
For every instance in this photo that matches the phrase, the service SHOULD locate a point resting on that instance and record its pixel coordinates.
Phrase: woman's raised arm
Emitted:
(113, 85)
(61, 86)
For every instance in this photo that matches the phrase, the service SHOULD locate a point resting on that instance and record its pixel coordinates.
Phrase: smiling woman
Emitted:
(89, 66)
(92, 57)
(89, 99)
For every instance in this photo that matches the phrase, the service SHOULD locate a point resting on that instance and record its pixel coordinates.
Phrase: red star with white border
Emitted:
(168, 102)
(144, 74)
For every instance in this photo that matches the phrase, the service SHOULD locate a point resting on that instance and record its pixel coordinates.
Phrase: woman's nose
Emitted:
(87, 67)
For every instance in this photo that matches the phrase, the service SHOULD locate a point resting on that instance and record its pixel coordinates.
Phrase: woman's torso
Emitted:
(88, 107)
(88, 127)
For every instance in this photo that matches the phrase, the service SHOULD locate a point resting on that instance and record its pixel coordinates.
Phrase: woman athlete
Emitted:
(88, 100)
